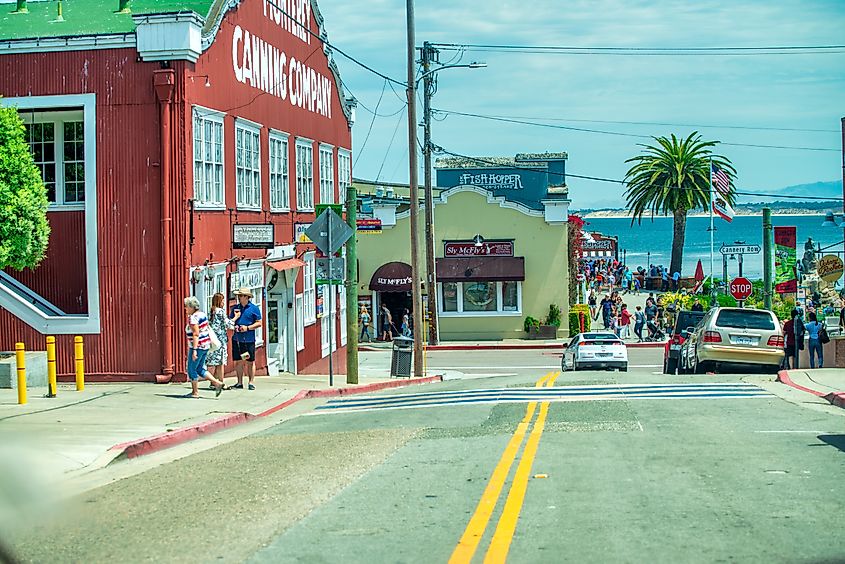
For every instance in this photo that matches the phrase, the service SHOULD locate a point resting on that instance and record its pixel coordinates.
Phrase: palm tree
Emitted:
(673, 177)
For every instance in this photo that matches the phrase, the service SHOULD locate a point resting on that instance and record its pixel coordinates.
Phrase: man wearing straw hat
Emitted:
(247, 317)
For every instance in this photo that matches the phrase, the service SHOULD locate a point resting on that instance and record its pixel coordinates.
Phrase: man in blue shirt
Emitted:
(676, 278)
(247, 318)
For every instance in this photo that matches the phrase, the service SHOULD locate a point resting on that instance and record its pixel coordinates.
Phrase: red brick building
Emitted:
(184, 146)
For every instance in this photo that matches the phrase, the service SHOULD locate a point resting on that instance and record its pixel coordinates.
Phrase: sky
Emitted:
(805, 91)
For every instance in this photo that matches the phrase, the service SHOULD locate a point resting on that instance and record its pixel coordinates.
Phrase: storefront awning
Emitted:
(286, 264)
(489, 269)
(392, 277)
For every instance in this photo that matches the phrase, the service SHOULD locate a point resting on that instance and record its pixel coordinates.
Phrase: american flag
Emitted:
(721, 181)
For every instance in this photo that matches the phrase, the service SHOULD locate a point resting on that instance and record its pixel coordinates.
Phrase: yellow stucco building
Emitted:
(500, 238)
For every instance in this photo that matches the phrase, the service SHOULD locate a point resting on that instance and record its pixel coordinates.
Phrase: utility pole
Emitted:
(416, 291)
(768, 258)
(430, 261)
(351, 286)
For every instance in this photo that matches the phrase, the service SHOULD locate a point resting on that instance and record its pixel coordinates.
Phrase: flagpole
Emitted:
(712, 231)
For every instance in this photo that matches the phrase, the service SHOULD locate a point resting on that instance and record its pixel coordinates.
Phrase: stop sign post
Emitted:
(740, 288)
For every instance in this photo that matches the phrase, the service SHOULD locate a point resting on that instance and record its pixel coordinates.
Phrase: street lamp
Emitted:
(429, 53)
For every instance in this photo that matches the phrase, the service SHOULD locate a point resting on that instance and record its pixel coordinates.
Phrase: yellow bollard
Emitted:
(20, 356)
(51, 367)
(79, 363)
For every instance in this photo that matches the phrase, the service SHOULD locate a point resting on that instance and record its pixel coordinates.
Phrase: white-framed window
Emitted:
(212, 283)
(325, 329)
(300, 322)
(208, 159)
(309, 289)
(480, 298)
(304, 175)
(344, 172)
(279, 187)
(248, 165)
(341, 296)
(326, 174)
(57, 142)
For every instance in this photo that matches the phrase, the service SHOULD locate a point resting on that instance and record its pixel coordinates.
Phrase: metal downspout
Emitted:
(164, 81)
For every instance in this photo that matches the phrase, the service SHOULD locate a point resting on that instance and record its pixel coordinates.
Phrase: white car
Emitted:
(595, 350)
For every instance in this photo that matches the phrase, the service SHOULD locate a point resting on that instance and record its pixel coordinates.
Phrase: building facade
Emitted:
(184, 147)
(500, 238)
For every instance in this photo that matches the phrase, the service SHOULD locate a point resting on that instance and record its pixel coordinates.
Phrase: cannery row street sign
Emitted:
(740, 249)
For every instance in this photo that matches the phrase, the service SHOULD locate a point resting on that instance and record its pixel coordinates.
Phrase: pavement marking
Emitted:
(468, 543)
(549, 393)
(500, 544)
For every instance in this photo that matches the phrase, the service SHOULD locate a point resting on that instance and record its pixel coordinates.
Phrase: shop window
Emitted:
(300, 322)
(325, 335)
(210, 285)
(309, 292)
(279, 187)
(449, 299)
(57, 142)
(208, 159)
(344, 172)
(341, 296)
(248, 166)
(304, 175)
(480, 298)
(326, 175)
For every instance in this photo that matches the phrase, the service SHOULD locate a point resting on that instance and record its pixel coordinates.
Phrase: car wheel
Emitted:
(671, 366)
(701, 367)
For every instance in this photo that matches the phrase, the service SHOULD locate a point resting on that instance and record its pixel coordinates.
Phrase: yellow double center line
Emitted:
(500, 544)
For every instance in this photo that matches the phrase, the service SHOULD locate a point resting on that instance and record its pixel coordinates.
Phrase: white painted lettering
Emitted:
(247, 59)
(237, 37)
(265, 64)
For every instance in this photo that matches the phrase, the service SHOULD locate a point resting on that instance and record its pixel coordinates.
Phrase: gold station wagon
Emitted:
(732, 335)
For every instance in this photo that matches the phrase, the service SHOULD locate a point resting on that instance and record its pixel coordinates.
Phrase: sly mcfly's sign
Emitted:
(266, 68)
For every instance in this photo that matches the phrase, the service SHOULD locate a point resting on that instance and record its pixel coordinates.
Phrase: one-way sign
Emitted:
(740, 249)
(329, 222)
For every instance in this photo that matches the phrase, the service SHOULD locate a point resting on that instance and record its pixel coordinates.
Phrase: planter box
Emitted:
(36, 370)
(547, 332)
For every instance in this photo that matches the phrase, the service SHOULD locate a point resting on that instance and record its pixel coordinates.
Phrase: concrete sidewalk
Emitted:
(827, 383)
(81, 431)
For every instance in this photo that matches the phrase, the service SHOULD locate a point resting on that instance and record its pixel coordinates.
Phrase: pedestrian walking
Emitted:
(625, 322)
(199, 341)
(386, 322)
(814, 344)
(247, 318)
(405, 328)
(639, 323)
(676, 279)
(220, 324)
(591, 301)
(365, 324)
(788, 342)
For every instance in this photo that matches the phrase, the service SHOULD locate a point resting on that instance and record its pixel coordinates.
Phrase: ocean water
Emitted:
(655, 237)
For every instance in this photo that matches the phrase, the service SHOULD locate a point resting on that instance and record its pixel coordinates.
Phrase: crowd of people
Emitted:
(615, 316)
(611, 274)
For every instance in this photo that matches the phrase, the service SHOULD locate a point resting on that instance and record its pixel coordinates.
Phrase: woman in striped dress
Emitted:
(199, 342)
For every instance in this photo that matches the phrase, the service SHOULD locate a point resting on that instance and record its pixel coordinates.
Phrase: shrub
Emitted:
(529, 323)
(24, 230)
(554, 316)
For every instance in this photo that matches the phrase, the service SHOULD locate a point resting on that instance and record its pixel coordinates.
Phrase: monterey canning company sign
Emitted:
(265, 67)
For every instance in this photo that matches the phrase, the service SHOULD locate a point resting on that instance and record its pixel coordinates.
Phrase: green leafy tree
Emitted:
(24, 231)
(673, 177)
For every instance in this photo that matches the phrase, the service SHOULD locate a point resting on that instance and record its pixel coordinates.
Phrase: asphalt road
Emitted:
(514, 462)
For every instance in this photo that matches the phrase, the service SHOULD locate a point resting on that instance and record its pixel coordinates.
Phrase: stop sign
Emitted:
(740, 288)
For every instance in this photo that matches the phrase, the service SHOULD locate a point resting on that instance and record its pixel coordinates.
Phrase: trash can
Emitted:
(403, 353)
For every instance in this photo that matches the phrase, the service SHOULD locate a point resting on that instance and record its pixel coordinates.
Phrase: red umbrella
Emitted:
(699, 272)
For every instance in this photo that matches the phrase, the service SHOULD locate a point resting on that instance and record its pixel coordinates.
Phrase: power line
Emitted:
(617, 181)
(711, 126)
(648, 51)
(372, 123)
(616, 133)
(389, 146)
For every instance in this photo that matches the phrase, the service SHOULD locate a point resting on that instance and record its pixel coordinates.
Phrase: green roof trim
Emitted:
(85, 17)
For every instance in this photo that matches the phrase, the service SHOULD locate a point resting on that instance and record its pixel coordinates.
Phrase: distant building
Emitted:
(500, 238)
(184, 147)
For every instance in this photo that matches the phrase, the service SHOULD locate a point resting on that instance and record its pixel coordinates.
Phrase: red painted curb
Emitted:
(133, 449)
(783, 377)
(836, 398)
(147, 445)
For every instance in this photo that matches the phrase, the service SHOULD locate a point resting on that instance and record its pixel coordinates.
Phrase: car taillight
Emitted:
(587, 343)
(775, 341)
(712, 337)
